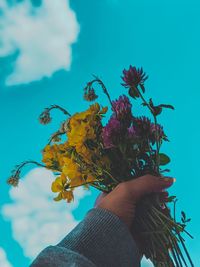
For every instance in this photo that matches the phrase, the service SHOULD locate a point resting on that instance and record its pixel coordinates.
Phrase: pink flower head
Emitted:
(133, 77)
(122, 109)
(148, 130)
(111, 133)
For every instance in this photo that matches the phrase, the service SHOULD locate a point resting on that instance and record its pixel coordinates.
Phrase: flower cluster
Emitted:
(72, 157)
(148, 131)
(113, 133)
(122, 109)
(86, 152)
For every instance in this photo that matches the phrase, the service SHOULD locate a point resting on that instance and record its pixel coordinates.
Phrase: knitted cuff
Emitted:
(104, 239)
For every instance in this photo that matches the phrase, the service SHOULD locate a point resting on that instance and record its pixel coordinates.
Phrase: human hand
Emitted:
(123, 199)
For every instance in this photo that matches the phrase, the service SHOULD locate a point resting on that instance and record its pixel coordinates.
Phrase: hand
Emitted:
(123, 199)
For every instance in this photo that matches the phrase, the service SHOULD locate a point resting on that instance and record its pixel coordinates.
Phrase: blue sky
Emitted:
(46, 59)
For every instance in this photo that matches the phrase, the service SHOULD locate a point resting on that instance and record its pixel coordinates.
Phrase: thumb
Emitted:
(99, 199)
(148, 184)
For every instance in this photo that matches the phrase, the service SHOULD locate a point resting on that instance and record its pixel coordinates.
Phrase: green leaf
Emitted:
(165, 170)
(142, 87)
(170, 199)
(164, 159)
(133, 92)
(183, 215)
(166, 106)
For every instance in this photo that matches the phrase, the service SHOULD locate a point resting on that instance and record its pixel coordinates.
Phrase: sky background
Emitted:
(48, 51)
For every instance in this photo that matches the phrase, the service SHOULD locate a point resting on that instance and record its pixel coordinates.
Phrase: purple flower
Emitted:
(133, 77)
(147, 130)
(111, 133)
(132, 132)
(142, 126)
(160, 135)
(122, 109)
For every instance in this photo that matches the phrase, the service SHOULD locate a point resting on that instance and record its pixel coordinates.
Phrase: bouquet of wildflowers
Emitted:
(85, 152)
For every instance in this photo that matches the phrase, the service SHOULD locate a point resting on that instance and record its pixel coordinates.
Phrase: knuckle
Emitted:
(124, 188)
(151, 178)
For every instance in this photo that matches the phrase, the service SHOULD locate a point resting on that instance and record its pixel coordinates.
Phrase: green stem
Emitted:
(156, 238)
(29, 162)
(175, 209)
(106, 172)
(155, 121)
(89, 183)
(99, 188)
(185, 249)
(175, 257)
(180, 238)
(99, 81)
(60, 108)
(55, 135)
(179, 252)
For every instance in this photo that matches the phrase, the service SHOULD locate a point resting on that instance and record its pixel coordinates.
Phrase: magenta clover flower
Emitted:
(133, 77)
(122, 110)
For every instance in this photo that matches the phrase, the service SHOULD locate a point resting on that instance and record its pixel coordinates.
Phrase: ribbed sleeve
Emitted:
(103, 239)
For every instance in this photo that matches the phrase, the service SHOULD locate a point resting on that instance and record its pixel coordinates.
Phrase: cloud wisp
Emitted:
(41, 36)
(38, 221)
(3, 259)
(146, 263)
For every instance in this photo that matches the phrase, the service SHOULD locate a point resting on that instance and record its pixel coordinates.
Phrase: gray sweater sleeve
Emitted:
(100, 240)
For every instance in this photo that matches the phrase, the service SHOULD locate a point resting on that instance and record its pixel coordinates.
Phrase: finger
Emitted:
(148, 184)
(163, 196)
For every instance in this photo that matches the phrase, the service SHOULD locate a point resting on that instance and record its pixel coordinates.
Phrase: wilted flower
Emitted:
(133, 77)
(122, 109)
(111, 133)
(13, 180)
(44, 117)
(56, 137)
(89, 94)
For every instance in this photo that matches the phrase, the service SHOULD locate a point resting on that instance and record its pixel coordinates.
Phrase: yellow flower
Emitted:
(59, 186)
(87, 117)
(104, 110)
(85, 152)
(77, 181)
(82, 132)
(90, 178)
(69, 196)
(72, 170)
(83, 127)
(53, 155)
(95, 108)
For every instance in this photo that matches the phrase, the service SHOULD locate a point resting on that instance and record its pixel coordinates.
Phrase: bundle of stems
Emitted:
(159, 233)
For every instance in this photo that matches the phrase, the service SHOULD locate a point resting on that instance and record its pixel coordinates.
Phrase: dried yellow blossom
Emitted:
(53, 155)
(71, 169)
(59, 186)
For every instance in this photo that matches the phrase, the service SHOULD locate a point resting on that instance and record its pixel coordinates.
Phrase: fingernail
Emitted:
(167, 179)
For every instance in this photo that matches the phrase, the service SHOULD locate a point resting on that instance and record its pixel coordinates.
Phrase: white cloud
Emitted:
(146, 263)
(3, 259)
(38, 221)
(42, 35)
